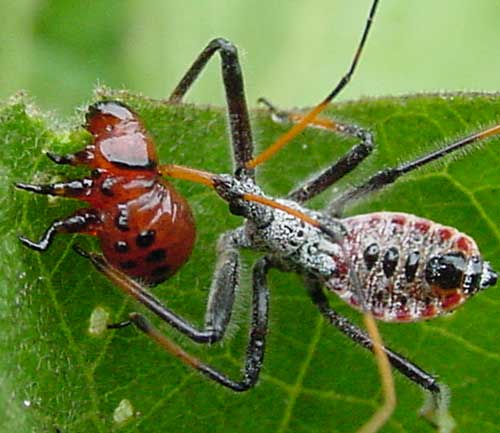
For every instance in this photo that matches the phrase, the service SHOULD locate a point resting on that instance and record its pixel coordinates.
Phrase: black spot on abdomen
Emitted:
(145, 239)
(157, 255)
(411, 266)
(390, 261)
(371, 255)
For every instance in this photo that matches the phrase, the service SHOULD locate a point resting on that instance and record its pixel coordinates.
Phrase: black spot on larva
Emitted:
(411, 265)
(370, 255)
(129, 264)
(121, 247)
(160, 273)
(390, 261)
(107, 186)
(446, 271)
(121, 220)
(145, 238)
(157, 255)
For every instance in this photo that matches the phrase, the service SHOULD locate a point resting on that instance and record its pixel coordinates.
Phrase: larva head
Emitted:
(120, 140)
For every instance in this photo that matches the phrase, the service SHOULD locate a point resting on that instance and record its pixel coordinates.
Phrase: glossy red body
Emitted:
(145, 227)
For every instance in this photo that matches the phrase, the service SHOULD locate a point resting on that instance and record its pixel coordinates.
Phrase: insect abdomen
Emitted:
(409, 268)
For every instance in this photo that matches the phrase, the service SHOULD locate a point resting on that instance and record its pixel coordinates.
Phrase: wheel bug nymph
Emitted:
(394, 266)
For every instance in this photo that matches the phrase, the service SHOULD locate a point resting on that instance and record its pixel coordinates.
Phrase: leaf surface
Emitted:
(54, 373)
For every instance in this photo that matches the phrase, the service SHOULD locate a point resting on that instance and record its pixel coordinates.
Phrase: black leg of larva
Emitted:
(79, 222)
(256, 345)
(241, 134)
(390, 175)
(73, 188)
(339, 168)
(220, 300)
(406, 367)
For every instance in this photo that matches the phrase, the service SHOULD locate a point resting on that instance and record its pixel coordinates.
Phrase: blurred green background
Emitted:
(292, 51)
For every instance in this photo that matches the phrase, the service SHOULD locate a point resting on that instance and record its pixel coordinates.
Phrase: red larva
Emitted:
(145, 227)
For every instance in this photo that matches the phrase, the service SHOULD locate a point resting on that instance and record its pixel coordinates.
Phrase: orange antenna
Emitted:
(311, 115)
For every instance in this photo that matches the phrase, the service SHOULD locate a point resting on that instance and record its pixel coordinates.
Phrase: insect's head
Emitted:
(120, 139)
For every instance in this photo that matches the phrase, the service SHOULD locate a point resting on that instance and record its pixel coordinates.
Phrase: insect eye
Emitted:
(446, 271)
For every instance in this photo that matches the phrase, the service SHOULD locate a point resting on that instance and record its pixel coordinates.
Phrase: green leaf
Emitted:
(55, 373)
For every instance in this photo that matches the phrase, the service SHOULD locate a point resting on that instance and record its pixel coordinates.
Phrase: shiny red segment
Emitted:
(120, 139)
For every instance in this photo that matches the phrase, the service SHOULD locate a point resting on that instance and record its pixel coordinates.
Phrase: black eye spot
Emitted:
(446, 271)
(145, 238)
(370, 255)
(156, 255)
(390, 262)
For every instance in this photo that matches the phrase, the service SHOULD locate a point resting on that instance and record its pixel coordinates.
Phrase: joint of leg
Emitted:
(224, 45)
(215, 335)
(366, 138)
(208, 336)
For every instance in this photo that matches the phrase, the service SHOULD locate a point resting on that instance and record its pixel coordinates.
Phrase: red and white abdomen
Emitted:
(408, 268)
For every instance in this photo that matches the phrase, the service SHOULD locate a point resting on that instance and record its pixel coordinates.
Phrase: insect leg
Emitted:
(232, 77)
(406, 367)
(81, 157)
(82, 221)
(339, 168)
(390, 175)
(256, 345)
(73, 188)
(220, 299)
